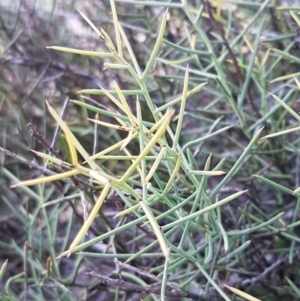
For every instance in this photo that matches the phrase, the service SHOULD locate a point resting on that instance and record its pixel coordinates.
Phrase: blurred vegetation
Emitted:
(247, 53)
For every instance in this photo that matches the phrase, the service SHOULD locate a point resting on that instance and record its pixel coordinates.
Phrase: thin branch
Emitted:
(214, 265)
(131, 287)
(60, 200)
(135, 270)
(29, 163)
(42, 169)
(267, 271)
(39, 137)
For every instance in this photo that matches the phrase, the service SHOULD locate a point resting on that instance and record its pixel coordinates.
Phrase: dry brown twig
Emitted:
(131, 287)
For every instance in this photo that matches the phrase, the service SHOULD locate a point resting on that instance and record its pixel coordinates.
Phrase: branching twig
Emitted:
(131, 287)
(29, 163)
(259, 278)
(39, 137)
(42, 169)
(135, 270)
(267, 271)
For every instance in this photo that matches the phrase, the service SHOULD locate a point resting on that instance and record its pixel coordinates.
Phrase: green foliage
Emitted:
(202, 193)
